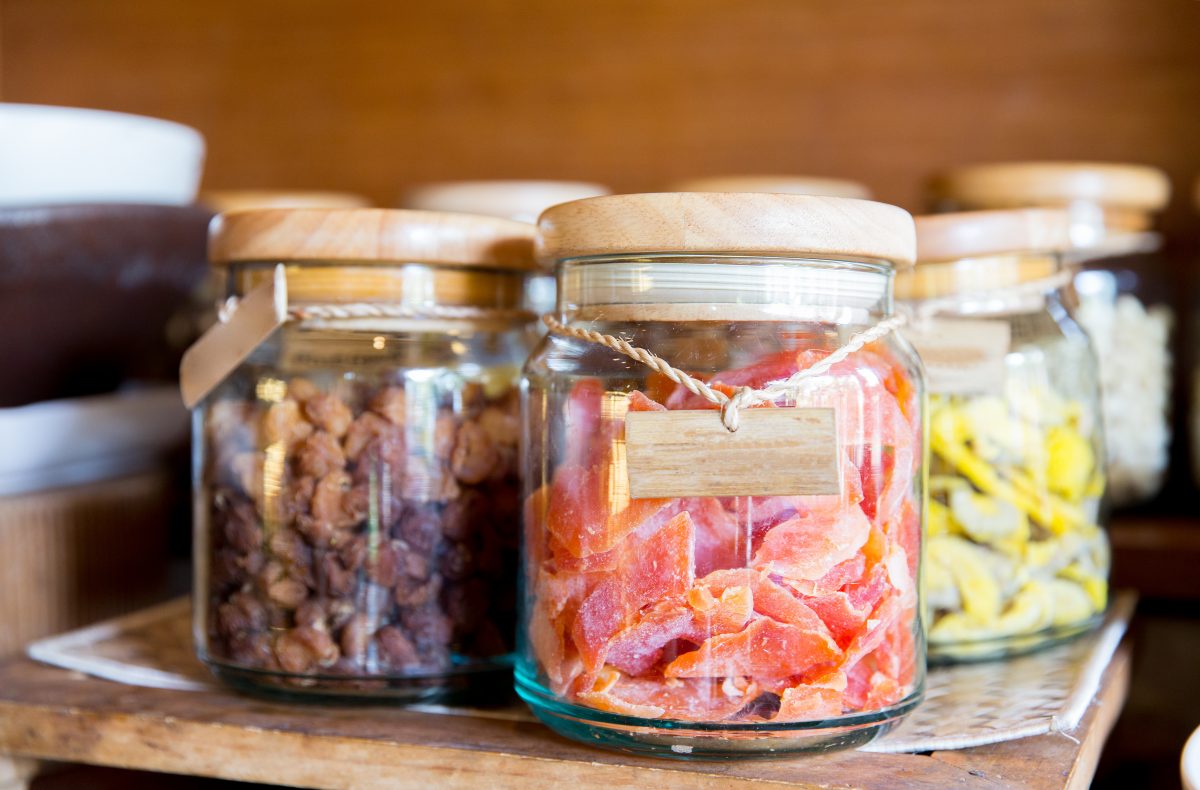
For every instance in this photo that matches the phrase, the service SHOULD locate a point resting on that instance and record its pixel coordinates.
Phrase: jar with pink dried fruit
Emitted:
(355, 474)
(723, 477)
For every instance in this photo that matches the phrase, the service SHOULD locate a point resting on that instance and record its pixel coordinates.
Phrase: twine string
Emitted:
(743, 397)
(350, 310)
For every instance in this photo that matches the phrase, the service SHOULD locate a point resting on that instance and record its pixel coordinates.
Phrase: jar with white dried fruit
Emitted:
(355, 474)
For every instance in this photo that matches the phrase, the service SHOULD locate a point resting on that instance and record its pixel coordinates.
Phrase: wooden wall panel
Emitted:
(373, 96)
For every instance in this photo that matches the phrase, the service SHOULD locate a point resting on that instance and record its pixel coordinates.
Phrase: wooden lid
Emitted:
(947, 237)
(220, 200)
(519, 200)
(786, 185)
(1013, 184)
(370, 236)
(727, 223)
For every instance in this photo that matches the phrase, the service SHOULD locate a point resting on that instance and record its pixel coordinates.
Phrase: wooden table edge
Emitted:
(170, 744)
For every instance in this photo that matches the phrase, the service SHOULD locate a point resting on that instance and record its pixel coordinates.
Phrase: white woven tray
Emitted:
(965, 706)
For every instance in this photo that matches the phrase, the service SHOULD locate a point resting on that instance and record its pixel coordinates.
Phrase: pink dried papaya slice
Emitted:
(772, 367)
(873, 630)
(846, 611)
(657, 567)
(536, 540)
(764, 647)
(769, 598)
(720, 540)
(639, 402)
(817, 698)
(639, 647)
(684, 699)
(810, 546)
(587, 513)
(583, 421)
(905, 530)
(546, 642)
(725, 612)
(838, 577)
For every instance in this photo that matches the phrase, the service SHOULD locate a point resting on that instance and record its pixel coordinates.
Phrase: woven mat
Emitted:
(968, 705)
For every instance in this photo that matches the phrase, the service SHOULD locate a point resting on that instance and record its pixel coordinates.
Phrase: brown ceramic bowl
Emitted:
(86, 293)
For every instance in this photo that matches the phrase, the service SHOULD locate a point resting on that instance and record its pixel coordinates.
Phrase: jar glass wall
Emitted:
(720, 625)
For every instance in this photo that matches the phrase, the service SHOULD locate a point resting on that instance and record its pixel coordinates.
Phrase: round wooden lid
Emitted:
(1013, 184)
(727, 223)
(370, 236)
(519, 200)
(241, 199)
(785, 185)
(948, 237)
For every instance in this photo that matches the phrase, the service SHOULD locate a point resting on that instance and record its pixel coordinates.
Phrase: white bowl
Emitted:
(55, 155)
(1189, 764)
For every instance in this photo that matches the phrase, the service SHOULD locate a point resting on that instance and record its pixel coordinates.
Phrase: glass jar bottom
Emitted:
(687, 740)
(1009, 646)
(477, 686)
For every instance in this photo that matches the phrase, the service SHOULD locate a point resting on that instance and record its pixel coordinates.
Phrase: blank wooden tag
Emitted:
(225, 346)
(961, 355)
(774, 452)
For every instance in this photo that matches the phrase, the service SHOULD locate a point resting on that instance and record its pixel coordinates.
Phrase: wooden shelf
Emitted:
(56, 714)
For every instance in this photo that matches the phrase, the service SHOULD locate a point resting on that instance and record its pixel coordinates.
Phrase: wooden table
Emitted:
(55, 714)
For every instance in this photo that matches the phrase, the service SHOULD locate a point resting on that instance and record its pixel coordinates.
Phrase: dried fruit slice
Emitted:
(720, 540)
(590, 510)
(639, 647)
(769, 598)
(684, 699)
(582, 420)
(722, 613)
(810, 546)
(639, 402)
(846, 611)
(772, 367)
(813, 699)
(838, 577)
(765, 647)
(657, 567)
(642, 645)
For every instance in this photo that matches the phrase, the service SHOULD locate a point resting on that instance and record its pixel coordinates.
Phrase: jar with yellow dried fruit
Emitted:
(1016, 558)
(356, 483)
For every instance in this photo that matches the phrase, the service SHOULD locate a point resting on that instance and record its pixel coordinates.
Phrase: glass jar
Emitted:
(682, 601)
(355, 474)
(1124, 294)
(1015, 556)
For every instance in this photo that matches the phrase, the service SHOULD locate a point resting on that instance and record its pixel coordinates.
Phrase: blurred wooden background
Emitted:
(374, 96)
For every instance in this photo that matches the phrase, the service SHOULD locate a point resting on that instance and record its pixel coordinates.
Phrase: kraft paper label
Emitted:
(225, 346)
(961, 356)
(774, 452)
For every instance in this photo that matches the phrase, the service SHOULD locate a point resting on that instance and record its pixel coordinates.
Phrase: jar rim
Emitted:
(710, 287)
